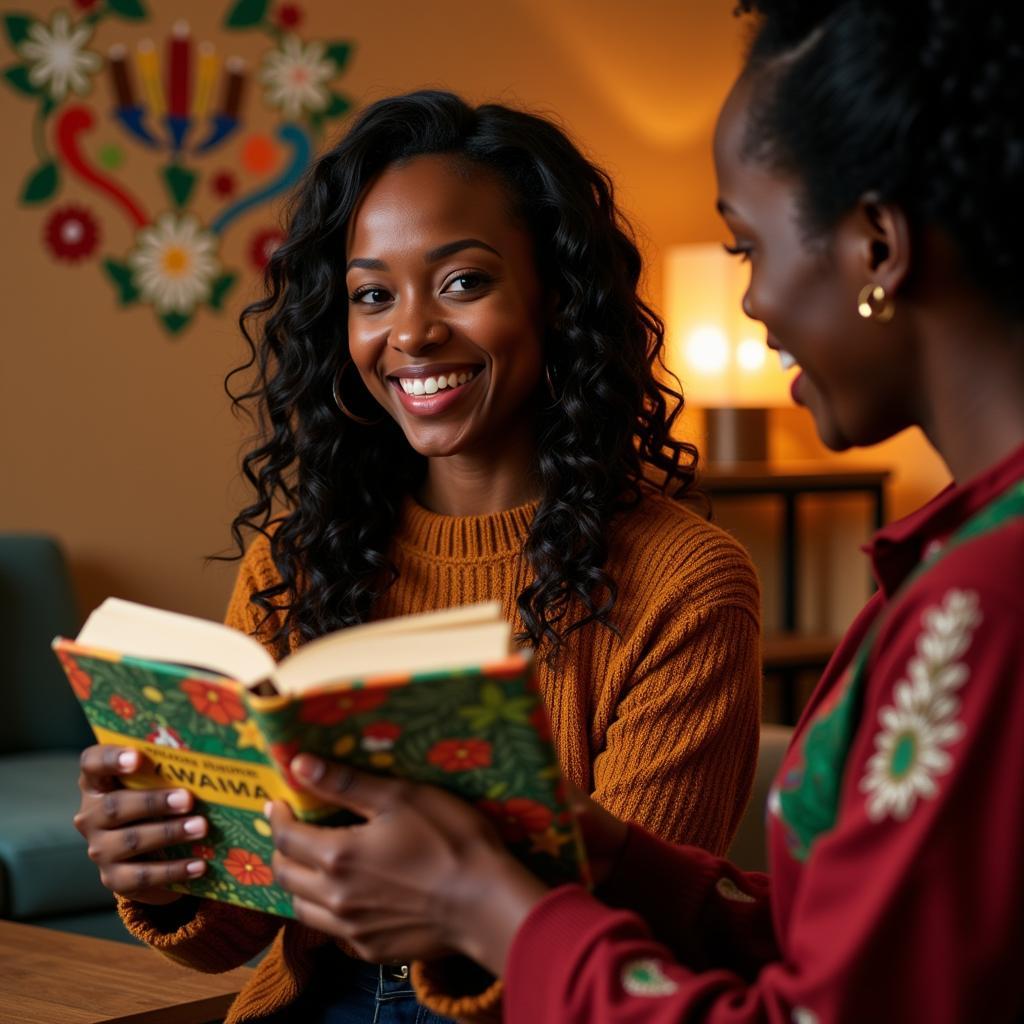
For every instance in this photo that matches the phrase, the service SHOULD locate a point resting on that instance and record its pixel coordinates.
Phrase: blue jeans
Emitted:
(345, 991)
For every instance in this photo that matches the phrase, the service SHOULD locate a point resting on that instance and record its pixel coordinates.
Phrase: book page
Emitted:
(346, 656)
(143, 632)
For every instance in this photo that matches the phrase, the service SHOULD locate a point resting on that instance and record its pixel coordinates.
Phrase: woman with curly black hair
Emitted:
(869, 161)
(460, 393)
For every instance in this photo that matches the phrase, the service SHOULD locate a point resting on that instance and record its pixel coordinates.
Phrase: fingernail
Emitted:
(128, 759)
(195, 826)
(178, 800)
(268, 809)
(309, 767)
(195, 867)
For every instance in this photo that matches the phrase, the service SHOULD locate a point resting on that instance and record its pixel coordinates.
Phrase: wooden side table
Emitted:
(788, 651)
(52, 977)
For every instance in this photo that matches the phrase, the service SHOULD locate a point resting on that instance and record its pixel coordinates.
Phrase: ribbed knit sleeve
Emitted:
(680, 744)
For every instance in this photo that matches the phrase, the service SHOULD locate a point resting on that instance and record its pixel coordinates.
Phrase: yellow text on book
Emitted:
(217, 780)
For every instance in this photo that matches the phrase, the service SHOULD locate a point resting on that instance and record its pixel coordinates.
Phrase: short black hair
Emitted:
(920, 102)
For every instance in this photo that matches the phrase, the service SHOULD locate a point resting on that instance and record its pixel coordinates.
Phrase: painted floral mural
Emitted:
(182, 100)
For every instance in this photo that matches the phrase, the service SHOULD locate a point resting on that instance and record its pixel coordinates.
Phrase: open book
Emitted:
(440, 697)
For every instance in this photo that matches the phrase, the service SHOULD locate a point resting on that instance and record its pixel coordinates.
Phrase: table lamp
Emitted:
(719, 353)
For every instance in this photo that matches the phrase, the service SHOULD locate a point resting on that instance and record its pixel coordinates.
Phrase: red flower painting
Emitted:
(247, 868)
(460, 755)
(332, 708)
(122, 708)
(80, 680)
(213, 701)
(517, 818)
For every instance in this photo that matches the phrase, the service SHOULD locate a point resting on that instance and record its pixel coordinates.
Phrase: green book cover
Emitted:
(481, 733)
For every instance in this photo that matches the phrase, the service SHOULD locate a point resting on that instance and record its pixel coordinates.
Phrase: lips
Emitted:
(431, 388)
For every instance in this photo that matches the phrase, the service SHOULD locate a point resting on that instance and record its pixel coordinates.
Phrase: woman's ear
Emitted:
(877, 243)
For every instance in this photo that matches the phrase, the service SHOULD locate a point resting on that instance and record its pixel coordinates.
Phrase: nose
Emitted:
(416, 330)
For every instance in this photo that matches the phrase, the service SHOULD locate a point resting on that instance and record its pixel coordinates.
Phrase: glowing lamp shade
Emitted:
(717, 351)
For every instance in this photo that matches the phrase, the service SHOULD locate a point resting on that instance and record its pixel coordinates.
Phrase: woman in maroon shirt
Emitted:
(870, 160)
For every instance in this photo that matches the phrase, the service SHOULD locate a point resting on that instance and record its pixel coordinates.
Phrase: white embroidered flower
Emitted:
(729, 890)
(296, 76)
(910, 748)
(175, 263)
(57, 60)
(646, 978)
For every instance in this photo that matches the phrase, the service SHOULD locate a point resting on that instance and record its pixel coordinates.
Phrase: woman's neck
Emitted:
(974, 393)
(475, 484)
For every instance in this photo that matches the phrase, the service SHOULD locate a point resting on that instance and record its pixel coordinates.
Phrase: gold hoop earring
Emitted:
(873, 303)
(345, 411)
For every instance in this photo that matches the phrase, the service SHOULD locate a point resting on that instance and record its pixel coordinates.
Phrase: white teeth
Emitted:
(787, 361)
(431, 385)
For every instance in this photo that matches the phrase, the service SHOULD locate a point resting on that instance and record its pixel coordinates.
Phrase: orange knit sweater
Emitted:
(659, 723)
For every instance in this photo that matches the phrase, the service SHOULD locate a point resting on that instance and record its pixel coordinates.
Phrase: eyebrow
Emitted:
(448, 249)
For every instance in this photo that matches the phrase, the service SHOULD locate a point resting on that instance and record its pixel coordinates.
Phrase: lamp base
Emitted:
(736, 435)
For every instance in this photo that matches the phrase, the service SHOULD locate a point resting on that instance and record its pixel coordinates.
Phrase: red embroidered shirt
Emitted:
(911, 906)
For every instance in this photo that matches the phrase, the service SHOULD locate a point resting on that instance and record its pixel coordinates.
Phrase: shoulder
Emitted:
(676, 550)
(256, 572)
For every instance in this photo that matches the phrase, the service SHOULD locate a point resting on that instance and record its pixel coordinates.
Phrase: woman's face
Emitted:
(854, 374)
(445, 306)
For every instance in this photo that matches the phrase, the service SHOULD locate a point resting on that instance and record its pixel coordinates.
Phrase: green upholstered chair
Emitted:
(46, 876)
(749, 847)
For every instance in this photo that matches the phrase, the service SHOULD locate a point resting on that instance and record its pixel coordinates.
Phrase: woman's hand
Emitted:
(425, 876)
(604, 835)
(121, 825)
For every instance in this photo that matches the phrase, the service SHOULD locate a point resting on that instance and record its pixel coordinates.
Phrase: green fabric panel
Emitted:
(39, 711)
(44, 859)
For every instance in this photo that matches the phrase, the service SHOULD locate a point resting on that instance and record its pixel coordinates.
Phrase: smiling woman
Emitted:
(461, 399)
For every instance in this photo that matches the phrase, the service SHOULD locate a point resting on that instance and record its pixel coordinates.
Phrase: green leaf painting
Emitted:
(175, 322)
(17, 26)
(124, 281)
(220, 288)
(130, 10)
(339, 53)
(17, 78)
(180, 183)
(246, 13)
(41, 183)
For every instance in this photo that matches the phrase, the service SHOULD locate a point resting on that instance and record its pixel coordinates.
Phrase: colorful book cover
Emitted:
(481, 733)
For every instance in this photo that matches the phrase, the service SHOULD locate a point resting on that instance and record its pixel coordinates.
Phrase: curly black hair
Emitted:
(329, 490)
(920, 102)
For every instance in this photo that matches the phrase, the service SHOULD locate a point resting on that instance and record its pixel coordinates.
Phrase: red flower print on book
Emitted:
(460, 755)
(122, 708)
(517, 818)
(332, 708)
(79, 679)
(213, 701)
(247, 867)
(380, 735)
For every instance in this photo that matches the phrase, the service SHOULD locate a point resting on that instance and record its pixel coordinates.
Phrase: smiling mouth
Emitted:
(433, 384)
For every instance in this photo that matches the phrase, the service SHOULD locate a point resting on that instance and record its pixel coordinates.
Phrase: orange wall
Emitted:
(118, 439)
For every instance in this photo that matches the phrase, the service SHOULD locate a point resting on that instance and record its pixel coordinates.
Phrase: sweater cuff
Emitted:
(648, 869)
(456, 987)
(208, 936)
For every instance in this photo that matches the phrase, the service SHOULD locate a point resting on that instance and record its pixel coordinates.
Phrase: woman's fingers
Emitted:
(104, 765)
(119, 807)
(146, 878)
(109, 845)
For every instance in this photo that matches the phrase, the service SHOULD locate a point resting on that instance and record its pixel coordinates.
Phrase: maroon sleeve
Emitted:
(909, 909)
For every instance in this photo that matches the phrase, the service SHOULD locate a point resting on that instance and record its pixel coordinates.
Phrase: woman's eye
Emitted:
(465, 282)
(742, 251)
(370, 296)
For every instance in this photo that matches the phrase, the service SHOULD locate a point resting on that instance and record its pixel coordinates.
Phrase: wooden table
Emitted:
(52, 977)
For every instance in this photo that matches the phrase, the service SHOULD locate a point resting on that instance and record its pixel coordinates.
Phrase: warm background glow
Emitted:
(119, 440)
